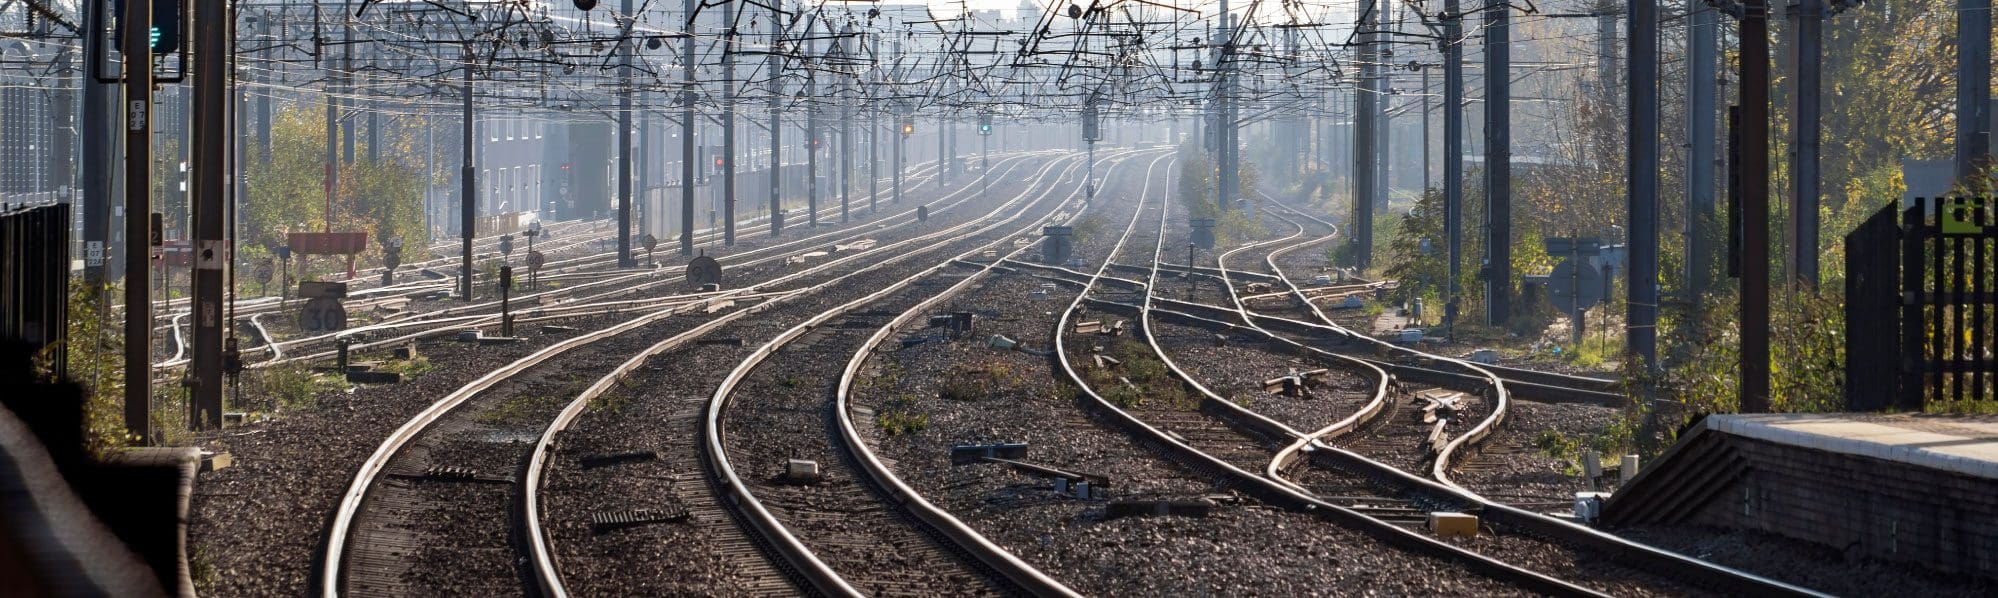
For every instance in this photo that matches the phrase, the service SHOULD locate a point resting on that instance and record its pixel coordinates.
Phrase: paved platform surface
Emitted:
(1965, 444)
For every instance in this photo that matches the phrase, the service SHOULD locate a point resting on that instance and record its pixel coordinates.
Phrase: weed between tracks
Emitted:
(978, 381)
(1149, 378)
(514, 410)
(898, 416)
(616, 398)
(409, 368)
(286, 387)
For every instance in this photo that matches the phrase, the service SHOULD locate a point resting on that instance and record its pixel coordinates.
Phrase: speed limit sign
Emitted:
(322, 314)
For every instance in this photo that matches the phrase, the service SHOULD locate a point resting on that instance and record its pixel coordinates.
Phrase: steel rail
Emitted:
(546, 574)
(940, 520)
(485, 248)
(1494, 387)
(451, 315)
(353, 500)
(1663, 562)
(1270, 490)
(1382, 381)
(787, 544)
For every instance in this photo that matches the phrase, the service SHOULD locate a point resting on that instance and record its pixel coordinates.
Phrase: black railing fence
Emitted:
(34, 278)
(1921, 307)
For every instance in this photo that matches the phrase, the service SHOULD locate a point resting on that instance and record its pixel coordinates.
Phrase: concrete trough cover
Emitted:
(971, 453)
(799, 472)
(602, 521)
(855, 246)
(605, 460)
(372, 377)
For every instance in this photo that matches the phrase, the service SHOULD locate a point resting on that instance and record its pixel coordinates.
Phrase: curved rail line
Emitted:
(541, 559)
(1667, 564)
(353, 500)
(456, 316)
(1273, 486)
(578, 264)
(594, 231)
(981, 548)
(1280, 494)
(785, 542)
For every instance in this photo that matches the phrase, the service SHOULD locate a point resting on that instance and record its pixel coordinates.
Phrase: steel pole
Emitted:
(332, 176)
(264, 95)
(468, 206)
(346, 79)
(1754, 177)
(1498, 164)
(1702, 73)
(776, 124)
(1428, 181)
(1453, 152)
(686, 134)
(209, 199)
(901, 145)
(1973, 86)
(1225, 181)
(1808, 18)
(845, 132)
(728, 125)
(138, 54)
(99, 151)
(1641, 286)
(627, 47)
(1363, 142)
(873, 134)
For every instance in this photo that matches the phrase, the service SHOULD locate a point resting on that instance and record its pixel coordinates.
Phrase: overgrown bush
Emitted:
(95, 359)
(1701, 356)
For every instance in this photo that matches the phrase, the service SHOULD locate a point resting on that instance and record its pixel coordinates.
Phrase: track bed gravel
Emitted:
(660, 409)
(259, 525)
(1237, 368)
(1240, 550)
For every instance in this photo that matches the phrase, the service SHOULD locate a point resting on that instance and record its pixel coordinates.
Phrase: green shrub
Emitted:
(899, 417)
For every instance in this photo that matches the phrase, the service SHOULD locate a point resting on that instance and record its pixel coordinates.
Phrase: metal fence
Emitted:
(1921, 307)
(34, 277)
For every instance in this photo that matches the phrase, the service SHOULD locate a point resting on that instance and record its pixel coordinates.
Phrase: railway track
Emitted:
(836, 531)
(554, 303)
(1379, 517)
(680, 469)
(380, 542)
(1363, 480)
(592, 232)
(365, 294)
(1361, 486)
